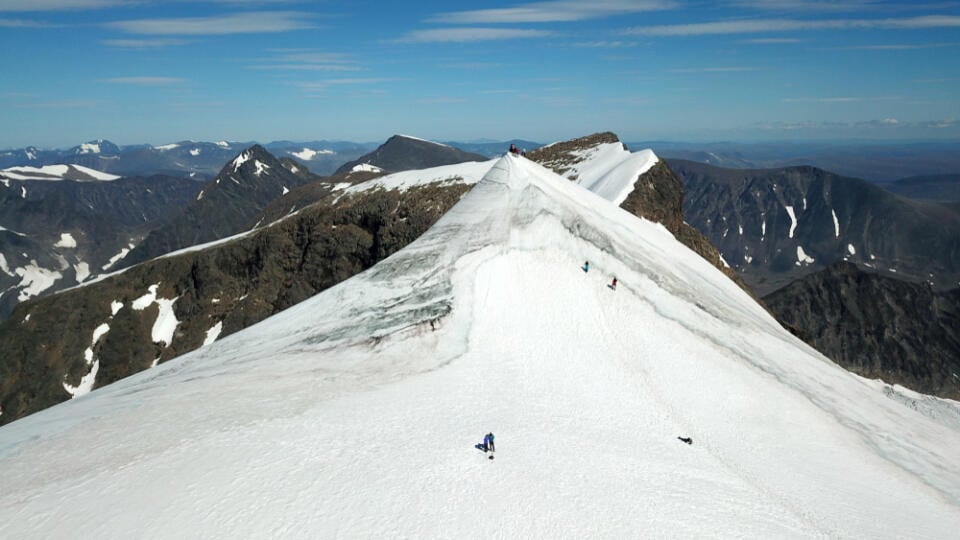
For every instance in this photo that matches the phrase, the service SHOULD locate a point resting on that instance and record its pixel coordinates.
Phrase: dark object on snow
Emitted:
(491, 456)
(488, 442)
(687, 440)
(586, 266)
(480, 446)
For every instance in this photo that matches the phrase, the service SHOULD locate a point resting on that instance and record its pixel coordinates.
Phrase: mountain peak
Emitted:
(405, 153)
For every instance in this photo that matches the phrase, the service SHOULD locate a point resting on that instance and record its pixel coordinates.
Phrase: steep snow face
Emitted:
(610, 170)
(356, 412)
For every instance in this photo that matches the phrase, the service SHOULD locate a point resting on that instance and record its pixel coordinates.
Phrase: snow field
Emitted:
(356, 412)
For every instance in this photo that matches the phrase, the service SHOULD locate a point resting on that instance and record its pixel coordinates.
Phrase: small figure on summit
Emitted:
(614, 284)
(514, 149)
(586, 266)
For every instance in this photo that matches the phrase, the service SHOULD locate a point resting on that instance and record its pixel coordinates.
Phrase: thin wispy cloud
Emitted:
(769, 41)
(145, 81)
(822, 100)
(62, 5)
(260, 22)
(144, 43)
(900, 47)
(442, 100)
(63, 104)
(749, 26)
(606, 44)
(464, 35)
(308, 60)
(806, 5)
(725, 69)
(328, 83)
(554, 11)
(20, 23)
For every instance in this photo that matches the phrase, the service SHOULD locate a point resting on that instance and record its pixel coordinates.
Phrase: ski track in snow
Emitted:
(355, 412)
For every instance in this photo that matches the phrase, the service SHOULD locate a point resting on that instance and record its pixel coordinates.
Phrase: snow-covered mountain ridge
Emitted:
(355, 413)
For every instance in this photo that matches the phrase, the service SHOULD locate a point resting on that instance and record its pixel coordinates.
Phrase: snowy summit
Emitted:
(669, 406)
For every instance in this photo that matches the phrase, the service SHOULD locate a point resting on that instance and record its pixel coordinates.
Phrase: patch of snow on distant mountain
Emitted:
(802, 257)
(261, 167)
(411, 137)
(793, 221)
(115, 307)
(99, 175)
(836, 224)
(166, 323)
(66, 241)
(213, 333)
(851, 250)
(167, 147)
(222, 144)
(31, 155)
(366, 167)
(89, 148)
(285, 190)
(194, 151)
(88, 380)
(240, 160)
(3, 266)
(83, 271)
(116, 258)
(144, 301)
(307, 154)
(34, 280)
(56, 173)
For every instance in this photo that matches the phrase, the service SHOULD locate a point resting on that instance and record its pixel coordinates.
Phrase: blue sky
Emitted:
(142, 71)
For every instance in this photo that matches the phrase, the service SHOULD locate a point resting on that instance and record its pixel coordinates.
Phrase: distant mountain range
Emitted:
(777, 225)
(873, 161)
(197, 160)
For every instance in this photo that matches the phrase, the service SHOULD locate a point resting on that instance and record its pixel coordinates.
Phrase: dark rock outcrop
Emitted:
(876, 326)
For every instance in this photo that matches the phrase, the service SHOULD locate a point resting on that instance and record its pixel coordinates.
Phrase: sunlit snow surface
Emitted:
(355, 413)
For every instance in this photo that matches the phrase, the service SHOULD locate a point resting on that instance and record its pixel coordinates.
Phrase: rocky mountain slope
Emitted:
(404, 153)
(776, 225)
(877, 326)
(56, 234)
(225, 205)
(93, 335)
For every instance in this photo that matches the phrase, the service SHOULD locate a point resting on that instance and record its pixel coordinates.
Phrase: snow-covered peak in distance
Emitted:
(356, 413)
(56, 172)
